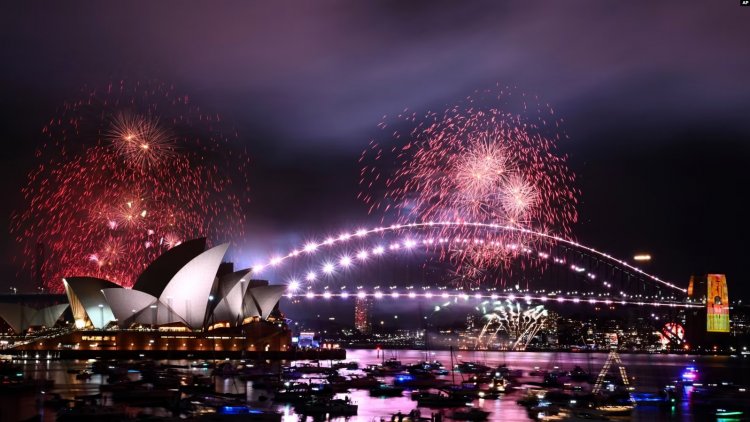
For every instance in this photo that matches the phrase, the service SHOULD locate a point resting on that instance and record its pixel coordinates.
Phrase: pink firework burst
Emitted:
(488, 159)
(141, 139)
(126, 173)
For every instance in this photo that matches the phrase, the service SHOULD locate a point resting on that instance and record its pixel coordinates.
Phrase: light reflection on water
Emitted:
(651, 372)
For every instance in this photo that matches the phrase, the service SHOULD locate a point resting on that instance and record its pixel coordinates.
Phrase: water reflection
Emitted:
(651, 372)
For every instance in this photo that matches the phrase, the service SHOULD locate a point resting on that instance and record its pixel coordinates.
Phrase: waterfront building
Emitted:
(187, 299)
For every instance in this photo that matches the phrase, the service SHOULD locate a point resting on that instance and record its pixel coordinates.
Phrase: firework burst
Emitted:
(476, 161)
(126, 173)
(140, 139)
(521, 325)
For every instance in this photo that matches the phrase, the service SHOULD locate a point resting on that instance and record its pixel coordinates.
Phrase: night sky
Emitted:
(655, 98)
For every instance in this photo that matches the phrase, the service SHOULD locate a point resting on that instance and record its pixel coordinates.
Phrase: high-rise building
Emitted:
(708, 326)
(363, 315)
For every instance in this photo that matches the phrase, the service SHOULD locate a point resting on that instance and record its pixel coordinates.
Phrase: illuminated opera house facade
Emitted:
(186, 300)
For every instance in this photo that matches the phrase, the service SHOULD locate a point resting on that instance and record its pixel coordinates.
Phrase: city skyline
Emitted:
(643, 151)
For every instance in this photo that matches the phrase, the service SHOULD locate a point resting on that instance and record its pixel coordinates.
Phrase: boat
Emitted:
(472, 368)
(729, 414)
(291, 396)
(352, 366)
(321, 407)
(225, 370)
(616, 410)
(441, 399)
(551, 379)
(489, 394)
(650, 398)
(121, 386)
(243, 412)
(689, 375)
(197, 384)
(505, 372)
(470, 414)
(413, 416)
(480, 378)
(365, 382)
(55, 401)
(385, 390)
(578, 374)
(267, 383)
(296, 393)
(338, 384)
(499, 384)
(466, 389)
(532, 397)
(389, 367)
(65, 415)
(536, 372)
(569, 415)
(425, 367)
(103, 367)
(91, 413)
(394, 364)
(307, 368)
(219, 412)
(417, 394)
(144, 397)
(83, 375)
(415, 381)
(586, 415)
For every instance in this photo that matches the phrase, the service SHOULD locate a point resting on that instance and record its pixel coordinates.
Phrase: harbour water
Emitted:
(649, 372)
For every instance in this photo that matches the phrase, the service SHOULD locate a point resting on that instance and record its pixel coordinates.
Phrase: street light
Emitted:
(644, 257)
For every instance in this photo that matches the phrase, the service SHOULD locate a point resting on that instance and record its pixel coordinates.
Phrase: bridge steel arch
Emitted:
(598, 263)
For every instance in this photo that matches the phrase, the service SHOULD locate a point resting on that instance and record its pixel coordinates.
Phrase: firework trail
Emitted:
(488, 159)
(125, 174)
(520, 324)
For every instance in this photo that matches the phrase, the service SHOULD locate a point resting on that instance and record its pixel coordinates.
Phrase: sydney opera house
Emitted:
(186, 300)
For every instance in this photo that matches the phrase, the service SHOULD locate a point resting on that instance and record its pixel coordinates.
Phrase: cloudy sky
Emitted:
(655, 97)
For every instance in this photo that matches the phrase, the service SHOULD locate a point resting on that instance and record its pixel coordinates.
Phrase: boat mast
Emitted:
(453, 369)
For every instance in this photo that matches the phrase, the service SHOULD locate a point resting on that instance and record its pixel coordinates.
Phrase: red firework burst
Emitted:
(476, 162)
(127, 173)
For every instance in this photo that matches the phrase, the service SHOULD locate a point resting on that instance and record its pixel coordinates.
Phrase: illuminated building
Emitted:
(182, 287)
(363, 315)
(20, 318)
(185, 300)
(709, 325)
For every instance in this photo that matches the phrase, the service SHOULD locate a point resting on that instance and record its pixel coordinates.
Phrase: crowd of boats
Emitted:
(323, 390)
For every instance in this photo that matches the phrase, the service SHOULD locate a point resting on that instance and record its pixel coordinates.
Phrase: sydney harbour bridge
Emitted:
(402, 262)
(520, 274)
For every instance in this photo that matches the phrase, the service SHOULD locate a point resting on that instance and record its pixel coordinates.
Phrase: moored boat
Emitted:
(322, 407)
(385, 390)
(441, 399)
(470, 414)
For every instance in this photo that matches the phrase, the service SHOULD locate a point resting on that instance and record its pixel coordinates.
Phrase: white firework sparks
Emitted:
(521, 325)
(518, 196)
(140, 139)
(482, 168)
